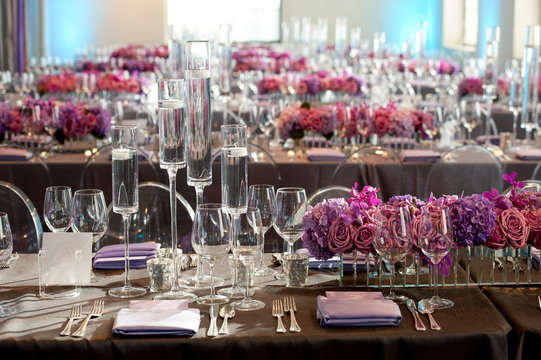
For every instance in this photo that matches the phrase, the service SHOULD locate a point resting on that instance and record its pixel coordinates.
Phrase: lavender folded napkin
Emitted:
(419, 155)
(528, 154)
(324, 154)
(493, 139)
(157, 318)
(13, 154)
(357, 309)
(112, 256)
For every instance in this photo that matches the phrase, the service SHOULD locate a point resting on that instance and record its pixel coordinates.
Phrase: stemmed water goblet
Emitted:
(211, 239)
(246, 244)
(125, 197)
(6, 248)
(470, 115)
(249, 113)
(262, 196)
(393, 240)
(57, 208)
(290, 208)
(435, 240)
(172, 157)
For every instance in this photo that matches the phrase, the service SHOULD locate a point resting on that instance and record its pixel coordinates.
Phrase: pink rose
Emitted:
(339, 239)
(533, 217)
(302, 87)
(381, 123)
(363, 237)
(497, 240)
(351, 86)
(514, 227)
(325, 84)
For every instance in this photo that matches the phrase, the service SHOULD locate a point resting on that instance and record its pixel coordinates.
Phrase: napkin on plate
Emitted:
(493, 139)
(528, 154)
(13, 154)
(332, 263)
(324, 154)
(419, 155)
(357, 309)
(112, 256)
(157, 317)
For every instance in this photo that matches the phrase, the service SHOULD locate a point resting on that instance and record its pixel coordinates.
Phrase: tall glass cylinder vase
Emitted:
(172, 128)
(530, 88)
(176, 68)
(490, 78)
(125, 196)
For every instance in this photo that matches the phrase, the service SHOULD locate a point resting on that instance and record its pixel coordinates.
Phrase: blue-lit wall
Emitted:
(68, 26)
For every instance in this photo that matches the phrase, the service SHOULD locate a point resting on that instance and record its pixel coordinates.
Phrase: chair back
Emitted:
(23, 218)
(329, 192)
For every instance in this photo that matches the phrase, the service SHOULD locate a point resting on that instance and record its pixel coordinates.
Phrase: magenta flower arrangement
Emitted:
(141, 52)
(295, 120)
(470, 86)
(63, 82)
(271, 84)
(117, 83)
(131, 65)
(264, 58)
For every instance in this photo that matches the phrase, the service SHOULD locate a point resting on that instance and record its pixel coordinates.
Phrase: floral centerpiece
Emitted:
(141, 51)
(470, 86)
(295, 120)
(62, 83)
(117, 83)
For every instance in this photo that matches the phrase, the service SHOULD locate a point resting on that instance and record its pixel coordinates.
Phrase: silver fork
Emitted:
(289, 305)
(96, 311)
(278, 312)
(75, 314)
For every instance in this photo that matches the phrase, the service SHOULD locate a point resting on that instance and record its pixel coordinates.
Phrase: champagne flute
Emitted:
(211, 241)
(6, 248)
(290, 208)
(262, 196)
(393, 240)
(125, 197)
(246, 244)
(234, 169)
(57, 208)
(435, 241)
(172, 157)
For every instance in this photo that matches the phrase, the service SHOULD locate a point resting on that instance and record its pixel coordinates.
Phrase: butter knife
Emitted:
(213, 329)
(419, 326)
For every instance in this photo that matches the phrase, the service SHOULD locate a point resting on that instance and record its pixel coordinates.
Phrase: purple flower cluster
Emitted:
(474, 220)
(470, 86)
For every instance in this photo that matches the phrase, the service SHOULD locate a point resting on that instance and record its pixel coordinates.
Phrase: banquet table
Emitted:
(472, 329)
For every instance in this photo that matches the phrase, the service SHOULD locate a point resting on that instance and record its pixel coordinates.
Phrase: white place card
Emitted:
(61, 265)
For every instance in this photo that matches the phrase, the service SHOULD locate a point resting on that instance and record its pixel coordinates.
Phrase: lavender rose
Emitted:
(497, 240)
(340, 239)
(514, 227)
(533, 217)
(363, 237)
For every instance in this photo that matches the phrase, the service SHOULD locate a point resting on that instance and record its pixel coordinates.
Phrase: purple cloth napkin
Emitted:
(157, 318)
(357, 311)
(493, 139)
(324, 154)
(419, 155)
(12, 154)
(528, 154)
(112, 256)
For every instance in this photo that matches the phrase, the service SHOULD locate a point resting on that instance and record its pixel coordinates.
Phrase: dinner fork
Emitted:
(289, 305)
(278, 312)
(96, 311)
(75, 314)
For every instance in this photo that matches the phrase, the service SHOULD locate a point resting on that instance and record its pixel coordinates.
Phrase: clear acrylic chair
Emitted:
(379, 166)
(24, 220)
(329, 192)
(529, 185)
(465, 170)
(152, 223)
(536, 174)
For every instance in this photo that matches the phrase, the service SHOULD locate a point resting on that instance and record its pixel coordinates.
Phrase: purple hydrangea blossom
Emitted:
(474, 220)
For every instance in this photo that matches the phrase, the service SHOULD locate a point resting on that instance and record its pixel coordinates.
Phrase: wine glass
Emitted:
(290, 208)
(246, 244)
(211, 241)
(125, 197)
(172, 157)
(393, 240)
(249, 113)
(470, 114)
(57, 208)
(6, 248)
(89, 213)
(262, 196)
(436, 240)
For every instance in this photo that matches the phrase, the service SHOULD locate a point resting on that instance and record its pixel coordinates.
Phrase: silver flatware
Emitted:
(213, 329)
(9, 261)
(419, 326)
(289, 305)
(278, 312)
(96, 311)
(425, 307)
(226, 312)
(74, 314)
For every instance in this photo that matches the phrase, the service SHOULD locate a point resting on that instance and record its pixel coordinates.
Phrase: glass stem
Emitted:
(172, 172)
(199, 194)
(211, 266)
(435, 279)
(391, 280)
(126, 221)
(247, 274)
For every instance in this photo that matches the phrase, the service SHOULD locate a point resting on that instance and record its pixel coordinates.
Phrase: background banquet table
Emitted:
(472, 329)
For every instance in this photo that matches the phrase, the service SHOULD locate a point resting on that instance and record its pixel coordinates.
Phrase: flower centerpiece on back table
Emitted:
(295, 120)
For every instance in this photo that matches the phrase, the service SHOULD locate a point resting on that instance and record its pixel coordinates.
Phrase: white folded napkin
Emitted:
(528, 154)
(157, 317)
(14, 154)
(324, 154)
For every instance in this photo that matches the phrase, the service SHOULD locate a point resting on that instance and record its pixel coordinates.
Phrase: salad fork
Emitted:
(289, 305)
(74, 314)
(96, 311)
(278, 312)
